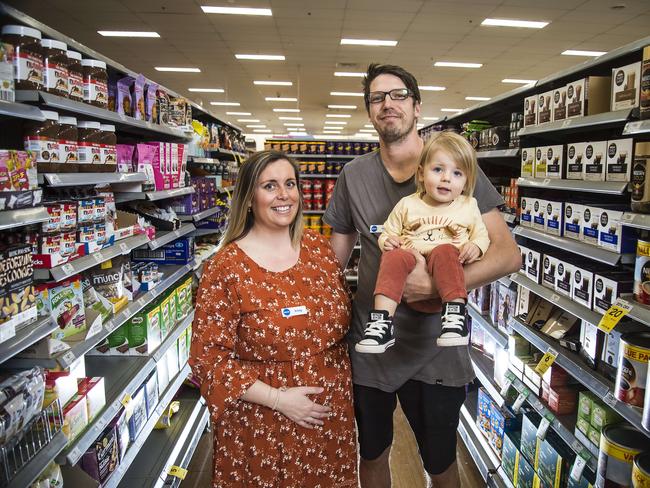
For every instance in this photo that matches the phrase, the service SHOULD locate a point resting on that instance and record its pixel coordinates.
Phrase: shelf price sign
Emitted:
(520, 400)
(614, 314)
(546, 422)
(128, 405)
(177, 472)
(507, 384)
(546, 361)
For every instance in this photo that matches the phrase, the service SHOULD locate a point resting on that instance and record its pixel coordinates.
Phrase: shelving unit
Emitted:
(153, 195)
(165, 237)
(13, 110)
(313, 212)
(28, 474)
(79, 179)
(24, 216)
(498, 153)
(636, 127)
(226, 152)
(509, 218)
(199, 216)
(312, 176)
(26, 336)
(601, 121)
(324, 156)
(499, 337)
(603, 187)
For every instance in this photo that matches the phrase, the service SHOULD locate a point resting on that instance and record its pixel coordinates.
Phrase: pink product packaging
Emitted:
(156, 155)
(146, 158)
(182, 160)
(150, 109)
(125, 154)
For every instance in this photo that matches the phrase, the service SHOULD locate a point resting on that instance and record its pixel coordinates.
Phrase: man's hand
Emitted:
(469, 253)
(392, 243)
(419, 282)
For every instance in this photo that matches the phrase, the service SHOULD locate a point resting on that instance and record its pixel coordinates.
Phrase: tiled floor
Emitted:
(405, 462)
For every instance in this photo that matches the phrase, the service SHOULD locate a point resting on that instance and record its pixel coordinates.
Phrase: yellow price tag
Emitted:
(614, 314)
(177, 472)
(546, 362)
(128, 405)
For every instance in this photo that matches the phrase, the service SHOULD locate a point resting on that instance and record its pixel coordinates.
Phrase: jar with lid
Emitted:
(75, 76)
(42, 138)
(89, 149)
(55, 67)
(640, 178)
(95, 82)
(68, 136)
(28, 56)
(108, 144)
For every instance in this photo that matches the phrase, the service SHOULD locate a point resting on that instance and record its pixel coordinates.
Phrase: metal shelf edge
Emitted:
(585, 122)
(605, 187)
(486, 324)
(173, 336)
(23, 216)
(31, 471)
(170, 236)
(26, 337)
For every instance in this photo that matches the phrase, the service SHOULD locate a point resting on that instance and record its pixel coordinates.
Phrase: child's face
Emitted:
(443, 180)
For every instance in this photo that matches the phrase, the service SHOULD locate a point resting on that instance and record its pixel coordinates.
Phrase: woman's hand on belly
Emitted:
(295, 404)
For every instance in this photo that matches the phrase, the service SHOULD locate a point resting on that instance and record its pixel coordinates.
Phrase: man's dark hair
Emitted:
(374, 70)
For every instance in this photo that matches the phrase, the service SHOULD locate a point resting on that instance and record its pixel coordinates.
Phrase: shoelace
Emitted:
(452, 320)
(377, 328)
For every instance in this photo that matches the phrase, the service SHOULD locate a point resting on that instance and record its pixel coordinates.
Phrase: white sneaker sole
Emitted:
(452, 341)
(374, 349)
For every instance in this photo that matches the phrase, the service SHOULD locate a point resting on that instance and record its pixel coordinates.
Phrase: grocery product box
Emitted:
(539, 215)
(620, 154)
(103, 455)
(586, 400)
(502, 420)
(94, 392)
(525, 474)
(540, 162)
(582, 425)
(506, 306)
(555, 162)
(171, 357)
(625, 86)
(590, 224)
(181, 251)
(592, 342)
(533, 265)
(544, 107)
(532, 376)
(559, 324)
(500, 365)
(510, 456)
(162, 372)
(541, 314)
(144, 331)
(528, 162)
(582, 287)
(593, 435)
(602, 415)
(588, 96)
(552, 462)
(64, 301)
(564, 278)
(479, 298)
(139, 413)
(183, 348)
(575, 154)
(608, 287)
(524, 253)
(549, 267)
(116, 344)
(556, 376)
(167, 321)
(554, 218)
(59, 386)
(529, 424)
(573, 220)
(526, 216)
(595, 158)
(559, 103)
(121, 425)
(151, 393)
(613, 235)
(530, 111)
(562, 400)
(75, 417)
(477, 335)
(484, 412)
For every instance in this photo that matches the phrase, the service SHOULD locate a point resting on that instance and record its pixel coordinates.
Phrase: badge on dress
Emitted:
(376, 229)
(293, 311)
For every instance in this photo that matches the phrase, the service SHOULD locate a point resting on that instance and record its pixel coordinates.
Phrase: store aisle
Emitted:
(405, 462)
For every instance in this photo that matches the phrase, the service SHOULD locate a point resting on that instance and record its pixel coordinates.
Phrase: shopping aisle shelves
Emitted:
(27, 336)
(499, 336)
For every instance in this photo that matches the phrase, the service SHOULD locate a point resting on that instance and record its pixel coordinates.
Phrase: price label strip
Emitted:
(507, 384)
(128, 405)
(177, 472)
(578, 467)
(520, 400)
(547, 360)
(546, 422)
(614, 314)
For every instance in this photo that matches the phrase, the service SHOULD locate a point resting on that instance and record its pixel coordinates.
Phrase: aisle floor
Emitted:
(405, 462)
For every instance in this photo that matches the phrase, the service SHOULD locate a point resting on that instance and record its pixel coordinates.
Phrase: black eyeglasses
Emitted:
(396, 94)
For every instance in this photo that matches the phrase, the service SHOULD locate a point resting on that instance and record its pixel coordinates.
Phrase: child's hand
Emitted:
(469, 253)
(392, 243)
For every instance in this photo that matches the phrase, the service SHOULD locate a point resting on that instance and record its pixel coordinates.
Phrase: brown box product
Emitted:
(620, 154)
(557, 376)
(644, 97)
(544, 107)
(588, 96)
(103, 456)
(594, 166)
(94, 392)
(541, 314)
(575, 154)
(545, 390)
(75, 417)
(563, 400)
(559, 103)
(559, 325)
(626, 86)
(530, 111)
(555, 168)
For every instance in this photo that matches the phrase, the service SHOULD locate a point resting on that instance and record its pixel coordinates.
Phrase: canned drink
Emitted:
(641, 471)
(302, 148)
(317, 184)
(339, 148)
(642, 272)
(619, 444)
(315, 223)
(307, 203)
(632, 371)
(330, 147)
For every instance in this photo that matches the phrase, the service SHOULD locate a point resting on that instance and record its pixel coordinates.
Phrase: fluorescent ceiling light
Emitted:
(368, 42)
(206, 90)
(295, 129)
(263, 131)
(256, 126)
(267, 12)
(338, 116)
(292, 110)
(453, 64)
(331, 132)
(349, 74)
(529, 24)
(517, 80)
(248, 120)
(575, 52)
(290, 118)
(261, 57)
(345, 94)
(335, 122)
(273, 83)
(369, 126)
(280, 99)
(127, 34)
(479, 99)
(367, 130)
(431, 88)
(178, 70)
(431, 118)
(298, 134)
(226, 104)
(238, 113)
(348, 107)
(293, 124)
(455, 110)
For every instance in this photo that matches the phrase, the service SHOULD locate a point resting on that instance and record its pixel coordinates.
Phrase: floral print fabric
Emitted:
(240, 335)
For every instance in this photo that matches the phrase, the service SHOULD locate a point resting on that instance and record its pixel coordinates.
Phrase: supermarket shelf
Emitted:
(23, 216)
(20, 110)
(27, 336)
(561, 301)
(509, 218)
(226, 152)
(599, 120)
(324, 156)
(78, 179)
(226, 188)
(574, 365)
(152, 195)
(122, 122)
(122, 375)
(498, 336)
(484, 371)
(173, 446)
(313, 212)
(498, 153)
(163, 238)
(639, 312)
(357, 247)
(134, 449)
(199, 216)
(637, 127)
(311, 176)
(59, 273)
(198, 267)
(198, 232)
(200, 160)
(506, 280)
(605, 187)
(636, 220)
(31, 471)
(576, 247)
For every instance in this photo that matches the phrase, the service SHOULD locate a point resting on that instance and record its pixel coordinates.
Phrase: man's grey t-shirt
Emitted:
(364, 196)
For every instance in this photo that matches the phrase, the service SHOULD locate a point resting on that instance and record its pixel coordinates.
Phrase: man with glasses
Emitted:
(428, 380)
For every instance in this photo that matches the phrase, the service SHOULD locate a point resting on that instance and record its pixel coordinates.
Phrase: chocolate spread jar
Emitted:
(55, 67)
(75, 76)
(68, 136)
(108, 144)
(42, 138)
(89, 149)
(95, 82)
(28, 57)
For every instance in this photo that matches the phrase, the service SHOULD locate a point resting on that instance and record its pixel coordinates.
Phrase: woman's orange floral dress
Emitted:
(240, 335)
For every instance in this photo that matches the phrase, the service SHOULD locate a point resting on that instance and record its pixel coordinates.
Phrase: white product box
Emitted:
(588, 96)
(573, 220)
(526, 216)
(555, 162)
(611, 346)
(559, 103)
(564, 277)
(549, 271)
(575, 154)
(528, 162)
(554, 218)
(619, 159)
(540, 162)
(613, 235)
(530, 111)
(544, 107)
(625, 86)
(590, 224)
(607, 288)
(524, 256)
(591, 343)
(539, 215)
(595, 161)
(534, 265)
(582, 289)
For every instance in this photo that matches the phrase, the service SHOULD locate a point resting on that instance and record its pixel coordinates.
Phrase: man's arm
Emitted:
(502, 258)
(343, 244)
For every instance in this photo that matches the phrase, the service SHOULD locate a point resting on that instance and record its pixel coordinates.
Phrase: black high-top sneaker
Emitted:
(454, 325)
(378, 335)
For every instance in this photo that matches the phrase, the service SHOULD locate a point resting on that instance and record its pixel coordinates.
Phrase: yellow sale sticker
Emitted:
(177, 472)
(128, 406)
(614, 314)
(546, 362)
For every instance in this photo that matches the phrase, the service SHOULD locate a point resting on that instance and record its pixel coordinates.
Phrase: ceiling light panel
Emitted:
(225, 104)
(431, 88)
(266, 12)
(177, 69)
(331, 132)
(127, 33)
(478, 99)
(338, 116)
(455, 64)
(280, 99)
(335, 122)
(288, 110)
(256, 126)
(528, 24)
(430, 118)
(576, 52)
(517, 80)
(238, 113)
(273, 83)
(345, 94)
(263, 131)
(293, 124)
(261, 57)
(290, 118)
(368, 42)
(343, 107)
(349, 74)
(206, 90)
(453, 110)
(248, 120)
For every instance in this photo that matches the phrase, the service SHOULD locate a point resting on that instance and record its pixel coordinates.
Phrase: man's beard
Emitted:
(393, 134)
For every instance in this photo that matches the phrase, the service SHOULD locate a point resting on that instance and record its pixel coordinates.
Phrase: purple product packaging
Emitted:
(150, 107)
(102, 458)
(124, 103)
(121, 425)
(137, 98)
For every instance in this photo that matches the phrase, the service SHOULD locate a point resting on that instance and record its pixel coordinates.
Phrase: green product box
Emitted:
(583, 426)
(188, 305)
(116, 344)
(594, 435)
(585, 402)
(552, 462)
(182, 349)
(529, 424)
(525, 474)
(602, 415)
(144, 331)
(510, 455)
(581, 483)
(172, 306)
(166, 320)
